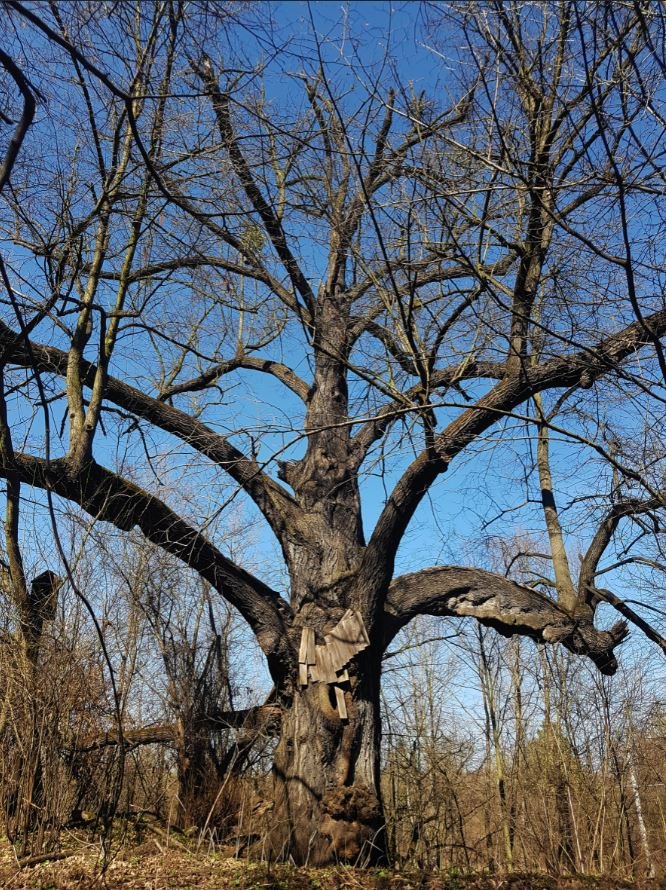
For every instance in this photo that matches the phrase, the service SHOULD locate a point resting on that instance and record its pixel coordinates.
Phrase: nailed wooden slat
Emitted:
(346, 639)
(343, 676)
(310, 654)
(303, 674)
(303, 648)
(307, 634)
(323, 670)
(319, 674)
(352, 628)
(340, 701)
(341, 644)
(334, 654)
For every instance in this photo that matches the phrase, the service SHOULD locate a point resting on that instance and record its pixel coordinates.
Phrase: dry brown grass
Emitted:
(152, 866)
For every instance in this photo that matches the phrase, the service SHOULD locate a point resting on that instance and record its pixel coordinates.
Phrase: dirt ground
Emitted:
(174, 869)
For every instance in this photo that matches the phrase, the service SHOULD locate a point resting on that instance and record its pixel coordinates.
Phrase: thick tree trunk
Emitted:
(328, 804)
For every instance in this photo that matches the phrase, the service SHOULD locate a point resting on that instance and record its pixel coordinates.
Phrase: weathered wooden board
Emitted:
(341, 644)
(322, 671)
(302, 675)
(341, 703)
(306, 653)
(310, 654)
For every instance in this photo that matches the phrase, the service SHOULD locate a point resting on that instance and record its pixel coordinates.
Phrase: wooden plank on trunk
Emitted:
(347, 638)
(303, 648)
(341, 644)
(306, 652)
(341, 703)
(310, 654)
(302, 674)
(323, 671)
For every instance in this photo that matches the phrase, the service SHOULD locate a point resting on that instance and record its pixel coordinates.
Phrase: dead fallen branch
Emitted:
(264, 719)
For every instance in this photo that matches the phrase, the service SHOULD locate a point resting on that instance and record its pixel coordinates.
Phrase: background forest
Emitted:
(497, 755)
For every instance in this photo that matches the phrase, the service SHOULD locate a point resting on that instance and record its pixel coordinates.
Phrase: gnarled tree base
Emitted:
(327, 802)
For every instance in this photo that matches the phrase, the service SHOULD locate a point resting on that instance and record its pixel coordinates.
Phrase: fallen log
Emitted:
(263, 719)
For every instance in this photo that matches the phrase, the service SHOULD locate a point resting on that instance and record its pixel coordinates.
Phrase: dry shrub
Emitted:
(45, 706)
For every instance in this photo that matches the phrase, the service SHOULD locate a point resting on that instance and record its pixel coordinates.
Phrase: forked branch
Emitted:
(578, 369)
(25, 121)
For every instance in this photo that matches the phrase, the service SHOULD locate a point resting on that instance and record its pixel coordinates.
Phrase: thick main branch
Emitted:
(578, 369)
(109, 497)
(274, 501)
(510, 608)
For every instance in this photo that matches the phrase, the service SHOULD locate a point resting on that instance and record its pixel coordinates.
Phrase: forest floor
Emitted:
(175, 869)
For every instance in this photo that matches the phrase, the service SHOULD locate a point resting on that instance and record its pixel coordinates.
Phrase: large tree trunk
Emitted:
(326, 770)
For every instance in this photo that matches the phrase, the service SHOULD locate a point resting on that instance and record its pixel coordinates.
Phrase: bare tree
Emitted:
(410, 273)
